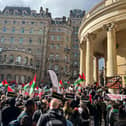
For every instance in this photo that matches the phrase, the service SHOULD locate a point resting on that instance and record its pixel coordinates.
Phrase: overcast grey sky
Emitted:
(58, 8)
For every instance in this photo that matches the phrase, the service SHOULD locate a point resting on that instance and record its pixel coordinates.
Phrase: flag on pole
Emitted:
(26, 86)
(5, 83)
(81, 79)
(83, 76)
(33, 85)
(60, 84)
(9, 89)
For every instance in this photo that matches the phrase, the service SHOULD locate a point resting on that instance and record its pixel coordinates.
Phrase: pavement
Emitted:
(92, 122)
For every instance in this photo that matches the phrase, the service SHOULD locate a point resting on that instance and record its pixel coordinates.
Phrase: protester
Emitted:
(37, 113)
(67, 110)
(54, 117)
(114, 114)
(84, 114)
(75, 117)
(86, 105)
(25, 118)
(10, 112)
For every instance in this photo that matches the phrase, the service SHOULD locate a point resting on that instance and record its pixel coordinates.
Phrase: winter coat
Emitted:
(54, 117)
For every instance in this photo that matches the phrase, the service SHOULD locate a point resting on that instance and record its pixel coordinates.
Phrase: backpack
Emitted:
(55, 121)
(14, 123)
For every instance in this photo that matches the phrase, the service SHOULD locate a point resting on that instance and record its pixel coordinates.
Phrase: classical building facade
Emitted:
(32, 42)
(102, 34)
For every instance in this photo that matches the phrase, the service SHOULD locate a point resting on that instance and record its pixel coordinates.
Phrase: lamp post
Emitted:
(41, 56)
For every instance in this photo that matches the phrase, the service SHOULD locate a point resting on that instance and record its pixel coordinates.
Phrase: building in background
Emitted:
(75, 18)
(32, 42)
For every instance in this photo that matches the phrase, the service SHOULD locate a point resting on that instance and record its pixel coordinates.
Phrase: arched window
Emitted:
(31, 62)
(9, 77)
(22, 79)
(18, 59)
(25, 60)
(11, 59)
(17, 78)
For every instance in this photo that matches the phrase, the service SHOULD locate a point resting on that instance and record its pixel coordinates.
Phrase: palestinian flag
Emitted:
(5, 83)
(9, 89)
(78, 88)
(28, 85)
(60, 84)
(33, 85)
(81, 79)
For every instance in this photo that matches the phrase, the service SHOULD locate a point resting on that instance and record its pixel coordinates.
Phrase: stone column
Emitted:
(82, 58)
(111, 50)
(95, 69)
(89, 60)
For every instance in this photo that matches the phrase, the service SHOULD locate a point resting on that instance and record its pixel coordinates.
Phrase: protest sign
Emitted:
(116, 96)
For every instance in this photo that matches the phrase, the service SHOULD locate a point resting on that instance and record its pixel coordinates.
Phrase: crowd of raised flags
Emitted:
(31, 88)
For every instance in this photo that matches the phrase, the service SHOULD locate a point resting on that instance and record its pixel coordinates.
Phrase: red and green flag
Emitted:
(28, 85)
(33, 85)
(60, 84)
(81, 79)
(5, 83)
(9, 89)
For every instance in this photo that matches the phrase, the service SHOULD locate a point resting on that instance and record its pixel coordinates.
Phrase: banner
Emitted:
(114, 82)
(116, 96)
(57, 95)
(69, 96)
(54, 79)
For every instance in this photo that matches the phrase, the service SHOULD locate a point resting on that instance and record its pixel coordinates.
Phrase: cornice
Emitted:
(115, 6)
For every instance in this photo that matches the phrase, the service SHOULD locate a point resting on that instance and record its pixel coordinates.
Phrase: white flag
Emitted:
(54, 80)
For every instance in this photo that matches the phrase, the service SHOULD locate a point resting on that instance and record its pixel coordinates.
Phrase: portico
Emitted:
(100, 33)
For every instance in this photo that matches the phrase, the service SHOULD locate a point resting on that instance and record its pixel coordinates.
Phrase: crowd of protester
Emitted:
(90, 103)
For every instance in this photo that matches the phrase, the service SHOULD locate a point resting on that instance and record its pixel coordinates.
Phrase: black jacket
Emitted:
(52, 118)
(9, 113)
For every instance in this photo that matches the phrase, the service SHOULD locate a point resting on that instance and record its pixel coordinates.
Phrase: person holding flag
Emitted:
(33, 85)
